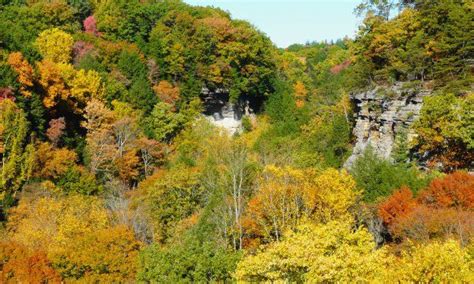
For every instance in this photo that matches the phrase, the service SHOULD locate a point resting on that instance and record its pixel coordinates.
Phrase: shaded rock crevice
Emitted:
(220, 111)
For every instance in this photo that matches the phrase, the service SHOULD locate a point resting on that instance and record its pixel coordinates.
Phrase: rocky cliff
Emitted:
(381, 114)
(220, 111)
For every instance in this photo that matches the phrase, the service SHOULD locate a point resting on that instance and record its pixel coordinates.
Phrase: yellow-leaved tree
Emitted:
(330, 195)
(107, 255)
(53, 83)
(308, 215)
(62, 82)
(17, 156)
(50, 223)
(276, 206)
(77, 236)
(55, 45)
(286, 195)
(86, 84)
(331, 252)
(436, 262)
(52, 163)
(300, 93)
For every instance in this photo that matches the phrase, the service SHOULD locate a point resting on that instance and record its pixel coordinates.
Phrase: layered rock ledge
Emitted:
(381, 114)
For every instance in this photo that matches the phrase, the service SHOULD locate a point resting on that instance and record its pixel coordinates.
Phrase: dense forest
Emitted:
(110, 172)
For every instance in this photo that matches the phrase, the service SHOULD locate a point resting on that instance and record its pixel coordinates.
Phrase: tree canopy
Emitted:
(112, 169)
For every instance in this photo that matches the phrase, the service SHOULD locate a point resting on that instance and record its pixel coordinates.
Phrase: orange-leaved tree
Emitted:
(22, 265)
(455, 190)
(24, 70)
(399, 204)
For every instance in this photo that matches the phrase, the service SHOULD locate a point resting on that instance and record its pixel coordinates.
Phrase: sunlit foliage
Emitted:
(110, 173)
(55, 45)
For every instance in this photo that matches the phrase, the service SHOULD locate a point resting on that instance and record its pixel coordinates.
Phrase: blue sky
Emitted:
(298, 21)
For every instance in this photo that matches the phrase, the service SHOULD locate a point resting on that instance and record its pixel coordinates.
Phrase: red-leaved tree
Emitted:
(443, 210)
(90, 25)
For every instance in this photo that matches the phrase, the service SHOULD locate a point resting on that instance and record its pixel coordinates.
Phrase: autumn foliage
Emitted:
(55, 45)
(286, 196)
(442, 210)
(166, 92)
(53, 83)
(456, 190)
(72, 234)
(56, 130)
(20, 264)
(90, 25)
(24, 70)
(114, 167)
(398, 205)
(300, 93)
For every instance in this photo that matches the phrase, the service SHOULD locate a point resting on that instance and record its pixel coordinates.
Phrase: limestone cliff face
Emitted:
(381, 114)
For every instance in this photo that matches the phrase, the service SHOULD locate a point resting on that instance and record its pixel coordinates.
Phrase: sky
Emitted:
(298, 21)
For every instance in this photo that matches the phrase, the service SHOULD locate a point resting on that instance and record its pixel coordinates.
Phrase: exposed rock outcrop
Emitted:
(221, 112)
(381, 114)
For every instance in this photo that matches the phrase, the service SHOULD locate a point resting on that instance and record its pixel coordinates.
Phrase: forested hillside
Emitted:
(110, 172)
